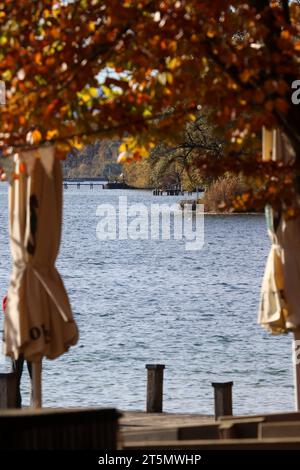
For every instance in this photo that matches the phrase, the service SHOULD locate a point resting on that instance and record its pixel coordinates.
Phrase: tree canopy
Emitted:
(140, 70)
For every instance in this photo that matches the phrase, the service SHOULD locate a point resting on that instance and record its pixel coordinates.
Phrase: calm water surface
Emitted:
(139, 302)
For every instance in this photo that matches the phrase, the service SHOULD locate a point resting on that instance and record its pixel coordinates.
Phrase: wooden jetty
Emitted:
(79, 184)
(152, 429)
(167, 431)
(192, 431)
(174, 191)
(167, 192)
(95, 182)
(109, 429)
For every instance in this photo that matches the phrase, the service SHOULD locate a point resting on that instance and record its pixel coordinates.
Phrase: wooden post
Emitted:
(155, 388)
(296, 361)
(36, 384)
(223, 399)
(8, 390)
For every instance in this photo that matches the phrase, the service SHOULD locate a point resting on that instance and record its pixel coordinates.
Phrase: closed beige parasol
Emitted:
(279, 310)
(38, 320)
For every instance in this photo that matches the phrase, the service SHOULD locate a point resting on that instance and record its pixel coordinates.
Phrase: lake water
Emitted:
(142, 301)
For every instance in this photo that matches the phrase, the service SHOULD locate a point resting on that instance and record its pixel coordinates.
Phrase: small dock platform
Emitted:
(138, 426)
(172, 431)
(78, 185)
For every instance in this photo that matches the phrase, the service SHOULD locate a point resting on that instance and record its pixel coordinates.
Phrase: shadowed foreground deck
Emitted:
(193, 431)
(108, 429)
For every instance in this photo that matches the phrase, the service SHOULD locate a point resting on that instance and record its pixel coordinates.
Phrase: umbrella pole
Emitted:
(36, 384)
(296, 361)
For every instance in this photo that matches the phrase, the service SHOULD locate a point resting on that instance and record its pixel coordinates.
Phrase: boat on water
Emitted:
(117, 185)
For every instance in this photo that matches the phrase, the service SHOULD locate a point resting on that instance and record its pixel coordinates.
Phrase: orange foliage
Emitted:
(89, 69)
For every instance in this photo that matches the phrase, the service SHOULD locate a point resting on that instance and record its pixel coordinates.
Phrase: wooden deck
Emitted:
(139, 426)
(139, 420)
(140, 430)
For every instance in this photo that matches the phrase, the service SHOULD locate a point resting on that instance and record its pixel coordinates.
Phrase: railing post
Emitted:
(8, 390)
(223, 399)
(155, 377)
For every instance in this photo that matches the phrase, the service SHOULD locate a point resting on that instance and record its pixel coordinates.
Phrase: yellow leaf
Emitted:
(38, 58)
(93, 92)
(36, 136)
(204, 61)
(143, 152)
(131, 143)
(162, 78)
(232, 85)
(147, 113)
(85, 96)
(3, 40)
(170, 78)
(192, 117)
(123, 148)
(285, 34)
(7, 75)
(211, 33)
(174, 63)
(91, 26)
(107, 91)
(51, 134)
(76, 143)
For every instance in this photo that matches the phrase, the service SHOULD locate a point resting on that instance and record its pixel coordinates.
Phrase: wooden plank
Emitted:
(159, 434)
(240, 429)
(227, 430)
(139, 419)
(204, 431)
(268, 417)
(209, 431)
(232, 444)
(282, 429)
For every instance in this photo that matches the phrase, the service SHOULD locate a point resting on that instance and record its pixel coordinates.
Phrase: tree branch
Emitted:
(286, 10)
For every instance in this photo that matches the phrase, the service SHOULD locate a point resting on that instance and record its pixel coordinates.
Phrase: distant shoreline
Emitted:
(234, 213)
